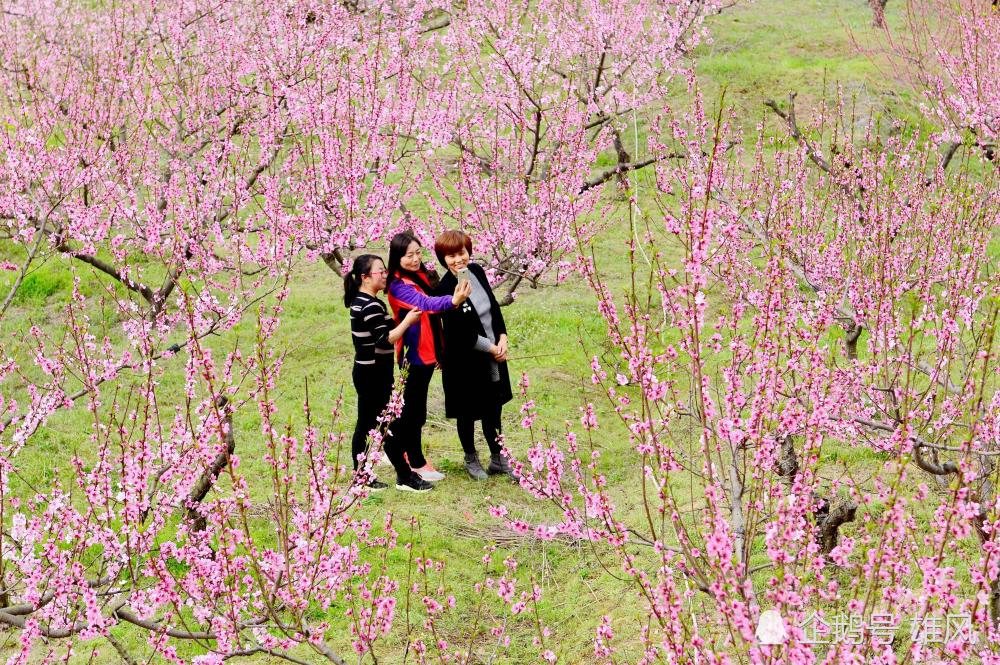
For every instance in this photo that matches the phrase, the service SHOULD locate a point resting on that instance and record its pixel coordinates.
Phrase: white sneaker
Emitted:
(429, 475)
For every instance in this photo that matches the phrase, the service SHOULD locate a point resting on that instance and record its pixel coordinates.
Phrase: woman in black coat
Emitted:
(474, 362)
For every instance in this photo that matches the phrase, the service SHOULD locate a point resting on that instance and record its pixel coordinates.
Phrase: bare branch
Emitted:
(256, 173)
(107, 269)
(256, 650)
(328, 653)
(334, 260)
(938, 378)
(919, 445)
(508, 297)
(18, 621)
(154, 626)
(608, 174)
(949, 152)
(207, 479)
(484, 163)
(793, 128)
(534, 145)
(120, 648)
(172, 349)
(21, 275)
(438, 23)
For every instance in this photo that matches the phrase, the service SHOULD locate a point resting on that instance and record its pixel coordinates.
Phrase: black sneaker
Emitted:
(414, 484)
(376, 485)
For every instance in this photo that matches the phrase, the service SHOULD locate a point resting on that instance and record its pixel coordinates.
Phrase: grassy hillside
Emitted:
(760, 50)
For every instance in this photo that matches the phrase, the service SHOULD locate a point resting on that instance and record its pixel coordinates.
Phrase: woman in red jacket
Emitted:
(418, 350)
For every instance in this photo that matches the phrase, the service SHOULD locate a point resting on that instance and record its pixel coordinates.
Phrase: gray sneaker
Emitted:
(499, 464)
(474, 468)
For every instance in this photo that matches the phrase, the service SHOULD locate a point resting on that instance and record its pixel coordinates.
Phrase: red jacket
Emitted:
(421, 343)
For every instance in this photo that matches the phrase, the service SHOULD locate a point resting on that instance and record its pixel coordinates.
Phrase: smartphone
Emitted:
(463, 275)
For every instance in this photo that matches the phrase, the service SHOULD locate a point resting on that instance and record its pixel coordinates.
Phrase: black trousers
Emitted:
(374, 386)
(409, 427)
(491, 430)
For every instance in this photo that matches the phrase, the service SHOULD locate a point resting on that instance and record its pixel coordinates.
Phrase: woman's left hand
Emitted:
(501, 354)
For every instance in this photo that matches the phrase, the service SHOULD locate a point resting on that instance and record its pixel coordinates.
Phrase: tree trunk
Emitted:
(829, 517)
(878, 12)
(829, 520)
(207, 479)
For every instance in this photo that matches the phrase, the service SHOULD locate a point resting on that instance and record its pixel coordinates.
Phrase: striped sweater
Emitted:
(370, 326)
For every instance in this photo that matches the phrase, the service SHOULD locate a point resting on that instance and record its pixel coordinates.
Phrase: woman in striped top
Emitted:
(374, 338)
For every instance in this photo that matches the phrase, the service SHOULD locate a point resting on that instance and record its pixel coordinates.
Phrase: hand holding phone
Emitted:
(464, 288)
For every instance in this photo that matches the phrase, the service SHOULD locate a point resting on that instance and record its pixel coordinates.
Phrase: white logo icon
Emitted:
(770, 628)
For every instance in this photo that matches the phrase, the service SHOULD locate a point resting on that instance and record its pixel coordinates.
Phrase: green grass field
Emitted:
(761, 50)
